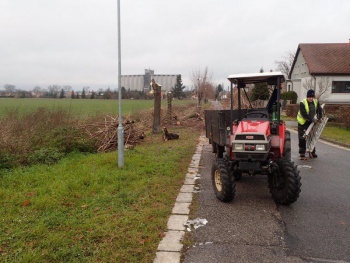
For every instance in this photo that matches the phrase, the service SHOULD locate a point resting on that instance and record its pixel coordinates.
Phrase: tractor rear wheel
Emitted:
(223, 184)
(284, 182)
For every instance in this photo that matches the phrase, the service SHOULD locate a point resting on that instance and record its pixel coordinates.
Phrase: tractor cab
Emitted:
(258, 133)
(272, 111)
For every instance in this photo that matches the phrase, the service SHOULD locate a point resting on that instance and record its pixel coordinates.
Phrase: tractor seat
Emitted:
(261, 113)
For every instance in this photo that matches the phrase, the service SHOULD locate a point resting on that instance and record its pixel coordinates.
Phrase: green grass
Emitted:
(285, 118)
(336, 134)
(86, 209)
(83, 107)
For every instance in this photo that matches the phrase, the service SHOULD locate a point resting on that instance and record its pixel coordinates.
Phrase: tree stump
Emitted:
(157, 92)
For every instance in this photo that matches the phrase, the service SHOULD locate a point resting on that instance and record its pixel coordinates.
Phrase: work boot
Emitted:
(302, 157)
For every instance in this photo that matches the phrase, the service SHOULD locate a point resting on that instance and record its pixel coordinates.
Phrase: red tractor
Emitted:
(252, 141)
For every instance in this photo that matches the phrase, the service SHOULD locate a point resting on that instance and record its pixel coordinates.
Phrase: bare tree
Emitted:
(10, 88)
(309, 84)
(67, 89)
(53, 91)
(324, 84)
(286, 63)
(37, 89)
(202, 81)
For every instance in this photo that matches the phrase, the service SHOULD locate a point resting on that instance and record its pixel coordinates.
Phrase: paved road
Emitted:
(253, 229)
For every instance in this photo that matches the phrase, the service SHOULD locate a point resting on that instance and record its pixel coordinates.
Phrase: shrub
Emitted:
(43, 136)
(292, 110)
(45, 156)
(290, 95)
(6, 162)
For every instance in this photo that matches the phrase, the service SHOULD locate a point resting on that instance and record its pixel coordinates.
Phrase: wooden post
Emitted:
(157, 92)
(169, 113)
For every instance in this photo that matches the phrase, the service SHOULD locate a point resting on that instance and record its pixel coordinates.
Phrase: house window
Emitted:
(341, 87)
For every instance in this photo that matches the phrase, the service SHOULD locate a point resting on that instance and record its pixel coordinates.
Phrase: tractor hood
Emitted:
(254, 126)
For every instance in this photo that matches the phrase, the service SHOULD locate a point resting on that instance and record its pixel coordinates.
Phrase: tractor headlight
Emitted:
(238, 146)
(260, 147)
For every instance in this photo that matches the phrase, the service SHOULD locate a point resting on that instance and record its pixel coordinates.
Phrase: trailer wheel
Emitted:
(287, 151)
(223, 184)
(284, 182)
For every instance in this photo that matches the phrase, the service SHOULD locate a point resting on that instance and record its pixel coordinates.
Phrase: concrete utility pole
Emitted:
(157, 92)
(120, 126)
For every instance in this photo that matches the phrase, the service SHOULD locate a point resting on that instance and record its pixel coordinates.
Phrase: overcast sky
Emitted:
(75, 42)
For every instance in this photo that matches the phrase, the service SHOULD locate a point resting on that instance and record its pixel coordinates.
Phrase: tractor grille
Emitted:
(249, 137)
(255, 156)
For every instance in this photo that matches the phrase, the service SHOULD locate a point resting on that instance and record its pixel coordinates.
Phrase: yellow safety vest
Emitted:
(300, 118)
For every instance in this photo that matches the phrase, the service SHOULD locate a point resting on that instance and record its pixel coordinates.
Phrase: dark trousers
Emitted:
(302, 142)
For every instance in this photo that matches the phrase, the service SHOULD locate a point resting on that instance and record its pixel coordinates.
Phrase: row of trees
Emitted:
(65, 91)
(202, 82)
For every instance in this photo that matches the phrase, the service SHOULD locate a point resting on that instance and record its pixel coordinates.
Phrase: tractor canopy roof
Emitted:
(251, 78)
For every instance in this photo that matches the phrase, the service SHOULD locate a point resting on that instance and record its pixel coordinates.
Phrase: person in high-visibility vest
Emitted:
(309, 112)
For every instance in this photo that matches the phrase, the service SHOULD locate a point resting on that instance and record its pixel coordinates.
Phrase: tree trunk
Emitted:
(169, 113)
(157, 106)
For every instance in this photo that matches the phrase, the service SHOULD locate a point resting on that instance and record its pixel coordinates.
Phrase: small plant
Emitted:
(6, 162)
(45, 156)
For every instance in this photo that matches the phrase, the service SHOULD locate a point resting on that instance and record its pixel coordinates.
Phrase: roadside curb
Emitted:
(170, 247)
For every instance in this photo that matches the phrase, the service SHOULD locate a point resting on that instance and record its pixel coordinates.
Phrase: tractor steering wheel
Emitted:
(262, 114)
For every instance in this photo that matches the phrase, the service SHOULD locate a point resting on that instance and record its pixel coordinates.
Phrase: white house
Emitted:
(322, 65)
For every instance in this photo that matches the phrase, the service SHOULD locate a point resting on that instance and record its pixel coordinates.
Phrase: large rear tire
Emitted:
(223, 184)
(284, 182)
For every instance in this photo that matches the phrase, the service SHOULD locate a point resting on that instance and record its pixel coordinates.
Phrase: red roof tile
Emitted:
(327, 58)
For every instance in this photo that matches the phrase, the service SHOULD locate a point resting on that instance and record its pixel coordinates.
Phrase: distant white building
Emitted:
(142, 82)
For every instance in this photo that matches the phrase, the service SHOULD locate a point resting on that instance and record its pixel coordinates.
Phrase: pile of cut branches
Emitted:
(105, 132)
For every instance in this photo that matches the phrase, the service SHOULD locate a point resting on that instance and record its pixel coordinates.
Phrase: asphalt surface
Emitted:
(253, 228)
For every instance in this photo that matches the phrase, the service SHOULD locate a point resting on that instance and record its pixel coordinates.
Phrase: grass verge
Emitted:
(85, 209)
(338, 135)
(81, 107)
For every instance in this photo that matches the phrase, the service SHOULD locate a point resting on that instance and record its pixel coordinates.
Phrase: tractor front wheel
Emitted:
(287, 151)
(284, 182)
(223, 184)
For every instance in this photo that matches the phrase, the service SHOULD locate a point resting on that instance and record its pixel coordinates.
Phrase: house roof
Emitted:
(325, 59)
